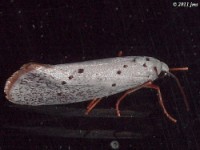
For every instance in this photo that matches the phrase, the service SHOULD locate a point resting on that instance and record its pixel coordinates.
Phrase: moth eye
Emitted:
(162, 74)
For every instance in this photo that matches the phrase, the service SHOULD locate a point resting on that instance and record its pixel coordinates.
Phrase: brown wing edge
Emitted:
(15, 76)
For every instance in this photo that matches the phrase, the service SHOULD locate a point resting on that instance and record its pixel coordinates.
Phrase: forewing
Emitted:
(46, 86)
(38, 84)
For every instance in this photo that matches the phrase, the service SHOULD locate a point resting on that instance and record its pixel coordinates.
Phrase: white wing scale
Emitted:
(76, 82)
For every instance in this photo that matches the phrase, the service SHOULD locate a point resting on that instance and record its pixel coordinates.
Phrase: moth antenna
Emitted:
(179, 69)
(181, 89)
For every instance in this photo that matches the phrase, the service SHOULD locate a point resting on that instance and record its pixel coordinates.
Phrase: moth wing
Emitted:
(36, 84)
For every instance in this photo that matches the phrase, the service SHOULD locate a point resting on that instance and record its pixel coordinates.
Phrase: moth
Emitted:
(41, 84)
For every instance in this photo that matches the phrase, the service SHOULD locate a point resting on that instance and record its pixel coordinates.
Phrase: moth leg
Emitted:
(127, 93)
(91, 106)
(152, 86)
(92, 102)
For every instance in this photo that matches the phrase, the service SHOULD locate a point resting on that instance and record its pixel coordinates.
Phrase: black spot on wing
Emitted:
(59, 93)
(71, 77)
(63, 82)
(125, 66)
(80, 70)
(119, 72)
(114, 84)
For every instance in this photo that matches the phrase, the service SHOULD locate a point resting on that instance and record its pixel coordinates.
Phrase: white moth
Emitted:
(38, 84)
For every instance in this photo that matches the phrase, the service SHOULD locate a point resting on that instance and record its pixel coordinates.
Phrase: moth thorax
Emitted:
(164, 67)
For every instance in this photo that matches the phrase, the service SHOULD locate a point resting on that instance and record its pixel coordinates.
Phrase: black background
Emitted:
(53, 32)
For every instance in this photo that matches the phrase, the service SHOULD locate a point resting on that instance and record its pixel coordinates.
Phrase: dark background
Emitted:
(53, 32)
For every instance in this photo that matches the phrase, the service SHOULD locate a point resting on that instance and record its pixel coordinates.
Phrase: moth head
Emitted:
(166, 71)
(164, 67)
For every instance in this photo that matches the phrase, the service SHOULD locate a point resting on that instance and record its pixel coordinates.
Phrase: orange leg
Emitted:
(146, 85)
(152, 86)
(92, 102)
(92, 105)
(127, 93)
